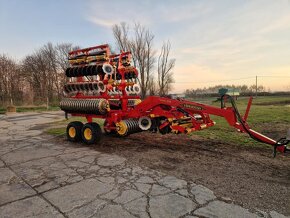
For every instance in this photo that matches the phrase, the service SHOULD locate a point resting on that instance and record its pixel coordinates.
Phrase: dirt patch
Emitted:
(248, 176)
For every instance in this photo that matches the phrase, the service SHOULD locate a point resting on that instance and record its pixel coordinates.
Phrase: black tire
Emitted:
(91, 133)
(74, 131)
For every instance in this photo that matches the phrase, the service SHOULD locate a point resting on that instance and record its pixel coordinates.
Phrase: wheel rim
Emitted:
(88, 134)
(122, 128)
(72, 132)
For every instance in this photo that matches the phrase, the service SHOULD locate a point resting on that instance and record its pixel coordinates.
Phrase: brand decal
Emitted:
(190, 106)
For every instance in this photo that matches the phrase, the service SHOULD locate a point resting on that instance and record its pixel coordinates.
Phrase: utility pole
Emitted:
(256, 86)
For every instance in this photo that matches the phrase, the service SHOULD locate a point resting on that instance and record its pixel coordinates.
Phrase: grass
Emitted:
(30, 109)
(56, 131)
(2, 110)
(60, 126)
(36, 109)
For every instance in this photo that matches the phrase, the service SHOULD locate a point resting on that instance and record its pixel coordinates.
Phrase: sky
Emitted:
(213, 42)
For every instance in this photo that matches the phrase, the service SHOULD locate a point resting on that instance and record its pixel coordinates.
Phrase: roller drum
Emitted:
(133, 125)
(86, 106)
(126, 127)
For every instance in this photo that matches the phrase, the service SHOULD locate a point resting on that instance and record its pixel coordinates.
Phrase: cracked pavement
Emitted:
(39, 178)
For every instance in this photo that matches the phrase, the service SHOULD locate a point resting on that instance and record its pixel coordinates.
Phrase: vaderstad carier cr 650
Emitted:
(104, 85)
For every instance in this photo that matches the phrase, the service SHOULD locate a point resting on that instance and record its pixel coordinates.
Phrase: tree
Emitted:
(62, 51)
(252, 88)
(10, 81)
(164, 70)
(35, 70)
(261, 88)
(45, 69)
(120, 33)
(153, 89)
(141, 47)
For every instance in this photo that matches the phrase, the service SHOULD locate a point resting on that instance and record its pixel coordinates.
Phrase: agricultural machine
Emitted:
(104, 85)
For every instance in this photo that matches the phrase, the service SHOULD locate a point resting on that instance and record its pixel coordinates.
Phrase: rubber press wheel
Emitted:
(74, 130)
(91, 133)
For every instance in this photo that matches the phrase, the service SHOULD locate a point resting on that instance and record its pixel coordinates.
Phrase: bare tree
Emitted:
(45, 69)
(141, 46)
(164, 69)
(62, 51)
(152, 86)
(48, 53)
(10, 81)
(35, 69)
(120, 33)
(261, 88)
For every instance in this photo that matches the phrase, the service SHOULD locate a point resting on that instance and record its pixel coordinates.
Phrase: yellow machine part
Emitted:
(72, 132)
(88, 134)
(122, 128)
(137, 101)
(96, 58)
(77, 61)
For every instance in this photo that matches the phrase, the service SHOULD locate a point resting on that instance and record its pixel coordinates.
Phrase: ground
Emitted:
(142, 175)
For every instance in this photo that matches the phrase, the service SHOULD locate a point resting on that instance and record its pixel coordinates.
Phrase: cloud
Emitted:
(108, 13)
(282, 23)
(150, 12)
(101, 22)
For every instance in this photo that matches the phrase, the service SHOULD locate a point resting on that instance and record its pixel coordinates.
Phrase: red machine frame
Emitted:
(155, 113)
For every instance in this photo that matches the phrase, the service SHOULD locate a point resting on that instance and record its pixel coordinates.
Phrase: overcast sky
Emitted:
(213, 42)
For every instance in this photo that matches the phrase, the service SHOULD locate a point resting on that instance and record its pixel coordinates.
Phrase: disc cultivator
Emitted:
(104, 85)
